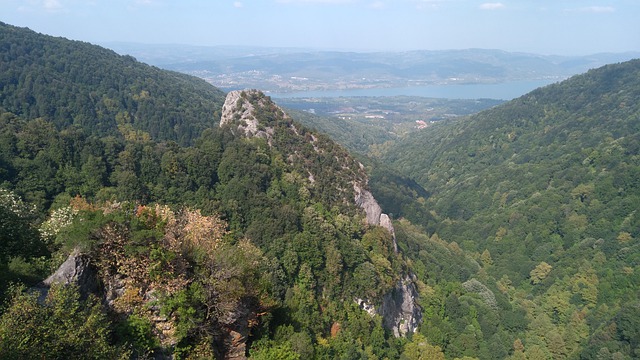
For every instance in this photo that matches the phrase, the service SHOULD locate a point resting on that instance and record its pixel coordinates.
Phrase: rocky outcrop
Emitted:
(244, 112)
(238, 111)
(236, 327)
(76, 270)
(385, 222)
(365, 200)
(399, 309)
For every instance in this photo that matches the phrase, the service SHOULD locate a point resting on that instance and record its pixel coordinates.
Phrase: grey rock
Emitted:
(238, 111)
(365, 200)
(76, 270)
(399, 309)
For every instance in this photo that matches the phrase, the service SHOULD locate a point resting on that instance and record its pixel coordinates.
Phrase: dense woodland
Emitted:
(545, 191)
(521, 227)
(75, 84)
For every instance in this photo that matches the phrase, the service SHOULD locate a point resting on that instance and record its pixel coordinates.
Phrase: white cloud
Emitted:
(597, 9)
(237, 4)
(377, 5)
(52, 5)
(314, 1)
(492, 6)
(428, 4)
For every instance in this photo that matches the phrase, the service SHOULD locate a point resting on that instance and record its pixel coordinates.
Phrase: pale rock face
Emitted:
(76, 270)
(372, 209)
(230, 110)
(369, 308)
(237, 109)
(385, 222)
(399, 310)
(368, 203)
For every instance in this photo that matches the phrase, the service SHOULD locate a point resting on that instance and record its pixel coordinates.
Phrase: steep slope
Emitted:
(333, 175)
(546, 188)
(268, 243)
(75, 83)
(258, 239)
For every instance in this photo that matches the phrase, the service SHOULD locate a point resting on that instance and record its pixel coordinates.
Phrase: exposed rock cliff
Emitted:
(238, 110)
(236, 329)
(365, 200)
(399, 310)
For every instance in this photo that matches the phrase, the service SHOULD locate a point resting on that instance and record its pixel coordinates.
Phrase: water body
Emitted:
(501, 91)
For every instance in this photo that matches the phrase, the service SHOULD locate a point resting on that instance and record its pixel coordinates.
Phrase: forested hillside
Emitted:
(545, 191)
(227, 228)
(74, 83)
(231, 245)
(184, 228)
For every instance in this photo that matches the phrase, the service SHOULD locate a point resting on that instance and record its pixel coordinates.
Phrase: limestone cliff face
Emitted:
(365, 200)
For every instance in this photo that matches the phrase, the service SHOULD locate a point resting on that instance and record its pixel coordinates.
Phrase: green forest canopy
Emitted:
(530, 250)
(76, 83)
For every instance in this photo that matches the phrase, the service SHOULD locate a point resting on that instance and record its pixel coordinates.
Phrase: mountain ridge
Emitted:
(543, 189)
(98, 90)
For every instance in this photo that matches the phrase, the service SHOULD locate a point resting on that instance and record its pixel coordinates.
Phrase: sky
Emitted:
(561, 27)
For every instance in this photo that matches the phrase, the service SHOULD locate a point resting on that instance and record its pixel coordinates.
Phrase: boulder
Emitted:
(76, 270)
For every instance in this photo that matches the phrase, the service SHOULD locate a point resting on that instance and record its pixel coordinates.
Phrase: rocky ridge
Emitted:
(241, 111)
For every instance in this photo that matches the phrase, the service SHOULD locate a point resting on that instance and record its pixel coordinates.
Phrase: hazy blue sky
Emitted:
(566, 27)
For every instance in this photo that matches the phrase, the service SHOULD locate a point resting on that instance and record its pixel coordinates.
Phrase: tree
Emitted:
(274, 352)
(17, 236)
(63, 327)
(419, 349)
(540, 273)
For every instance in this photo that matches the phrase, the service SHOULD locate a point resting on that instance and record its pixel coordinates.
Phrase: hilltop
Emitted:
(75, 83)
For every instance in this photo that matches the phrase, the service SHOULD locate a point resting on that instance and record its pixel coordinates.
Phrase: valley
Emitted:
(145, 213)
(297, 70)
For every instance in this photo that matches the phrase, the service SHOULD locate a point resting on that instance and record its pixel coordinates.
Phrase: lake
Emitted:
(502, 91)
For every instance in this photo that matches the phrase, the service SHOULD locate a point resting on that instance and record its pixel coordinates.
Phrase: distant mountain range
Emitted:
(291, 69)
